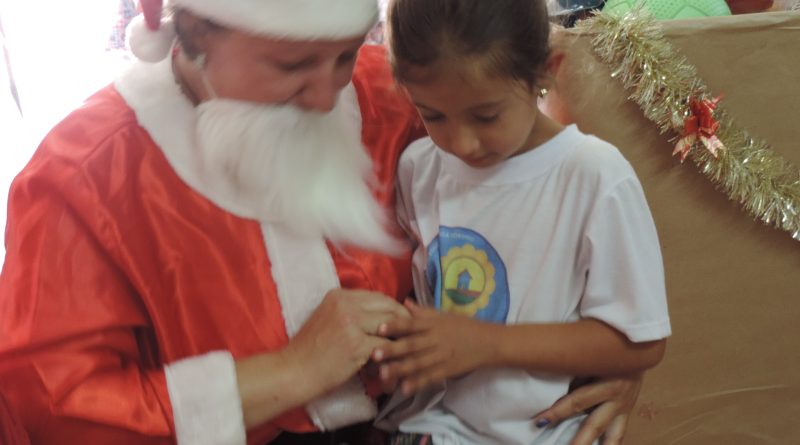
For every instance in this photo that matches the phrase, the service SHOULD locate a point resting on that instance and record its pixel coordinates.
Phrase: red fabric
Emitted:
(11, 430)
(115, 267)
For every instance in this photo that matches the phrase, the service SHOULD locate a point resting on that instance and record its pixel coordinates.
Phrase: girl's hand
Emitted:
(612, 398)
(431, 346)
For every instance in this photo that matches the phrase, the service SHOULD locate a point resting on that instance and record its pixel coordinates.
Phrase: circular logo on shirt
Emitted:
(467, 275)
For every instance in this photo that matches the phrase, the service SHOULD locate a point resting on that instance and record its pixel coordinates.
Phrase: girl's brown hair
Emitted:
(506, 37)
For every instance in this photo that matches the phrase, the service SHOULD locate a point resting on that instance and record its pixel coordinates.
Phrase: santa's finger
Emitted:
(409, 365)
(379, 303)
(402, 327)
(402, 348)
(371, 323)
(424, 378)
(417, 310)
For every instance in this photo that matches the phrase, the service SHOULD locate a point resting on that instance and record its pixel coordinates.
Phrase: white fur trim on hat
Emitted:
(290, 19)
(147, 45)
(285, 19)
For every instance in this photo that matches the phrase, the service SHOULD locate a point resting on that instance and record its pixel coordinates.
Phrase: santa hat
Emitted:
(150, 37)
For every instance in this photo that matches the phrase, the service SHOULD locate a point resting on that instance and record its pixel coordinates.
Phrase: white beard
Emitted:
(306, 170)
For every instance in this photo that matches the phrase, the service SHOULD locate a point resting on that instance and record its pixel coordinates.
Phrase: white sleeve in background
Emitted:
(206, 405)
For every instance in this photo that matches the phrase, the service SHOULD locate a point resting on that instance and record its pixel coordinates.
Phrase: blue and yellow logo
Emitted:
(467, 276)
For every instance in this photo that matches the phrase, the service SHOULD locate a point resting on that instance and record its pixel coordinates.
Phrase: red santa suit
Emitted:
(117, 268)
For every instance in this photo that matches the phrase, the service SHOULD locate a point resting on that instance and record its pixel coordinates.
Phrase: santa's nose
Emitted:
(318, 99)
(320, 93)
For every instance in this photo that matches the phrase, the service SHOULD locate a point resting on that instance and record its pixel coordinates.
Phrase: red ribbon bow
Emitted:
(701, 126)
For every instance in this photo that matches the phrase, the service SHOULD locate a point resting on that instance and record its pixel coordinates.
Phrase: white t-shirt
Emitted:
(558, 233)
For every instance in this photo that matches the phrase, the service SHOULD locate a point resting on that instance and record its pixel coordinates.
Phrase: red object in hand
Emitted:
(748, 6)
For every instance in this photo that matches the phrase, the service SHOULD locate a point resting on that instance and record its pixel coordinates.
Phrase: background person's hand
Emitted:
(611, 399)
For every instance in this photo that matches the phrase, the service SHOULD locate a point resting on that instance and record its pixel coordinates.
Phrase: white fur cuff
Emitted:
(345, 406)
(206, 406)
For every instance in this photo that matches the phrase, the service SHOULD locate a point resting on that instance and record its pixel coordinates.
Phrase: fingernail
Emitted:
(384, 372)
(377, 355)
(541, 423)
(382, 329)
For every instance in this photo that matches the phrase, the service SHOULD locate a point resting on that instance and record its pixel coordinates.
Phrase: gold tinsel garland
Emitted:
(664, 84)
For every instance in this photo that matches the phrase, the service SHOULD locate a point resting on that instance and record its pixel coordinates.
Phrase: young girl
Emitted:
(534, 242)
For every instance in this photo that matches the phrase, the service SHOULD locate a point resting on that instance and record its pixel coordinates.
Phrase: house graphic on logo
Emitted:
(464, 278)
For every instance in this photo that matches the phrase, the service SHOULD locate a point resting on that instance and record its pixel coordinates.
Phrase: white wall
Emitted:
(14, 144)
(58, 56)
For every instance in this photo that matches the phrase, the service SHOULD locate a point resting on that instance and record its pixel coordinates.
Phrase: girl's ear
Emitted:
(555, 104)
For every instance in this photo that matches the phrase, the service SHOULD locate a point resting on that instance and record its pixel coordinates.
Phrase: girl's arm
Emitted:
(584, 348)
(434, 346)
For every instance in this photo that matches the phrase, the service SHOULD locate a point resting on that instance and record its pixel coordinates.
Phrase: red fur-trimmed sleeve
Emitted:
(76, 362)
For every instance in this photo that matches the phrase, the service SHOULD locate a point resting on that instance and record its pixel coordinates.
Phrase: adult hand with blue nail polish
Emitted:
(610, 400)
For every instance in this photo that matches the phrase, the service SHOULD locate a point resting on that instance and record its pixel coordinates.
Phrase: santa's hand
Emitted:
(612, 398)
(338, 338)
(430, 347)
(370, 375)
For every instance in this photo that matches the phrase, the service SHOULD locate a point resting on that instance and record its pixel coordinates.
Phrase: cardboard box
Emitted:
(731, 374)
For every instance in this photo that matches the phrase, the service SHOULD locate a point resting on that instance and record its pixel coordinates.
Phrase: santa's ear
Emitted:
(553, 63)
(195, 34)
(547, 76)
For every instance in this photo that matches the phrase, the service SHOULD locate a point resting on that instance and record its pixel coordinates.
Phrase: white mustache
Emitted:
(307, 170)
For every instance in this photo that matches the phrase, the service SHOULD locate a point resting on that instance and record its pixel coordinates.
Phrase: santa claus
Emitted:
(202, 253)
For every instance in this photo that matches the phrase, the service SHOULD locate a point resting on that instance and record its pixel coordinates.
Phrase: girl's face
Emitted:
(483, 120)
